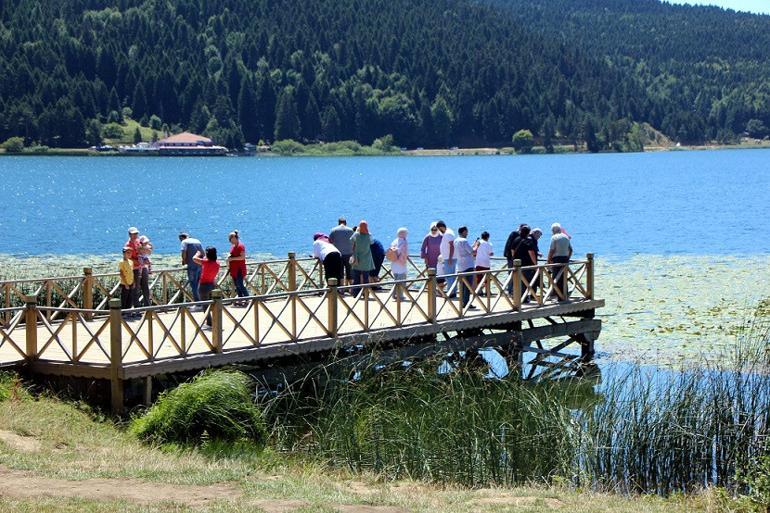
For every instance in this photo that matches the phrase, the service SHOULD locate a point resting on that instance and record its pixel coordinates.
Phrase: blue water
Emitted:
(707, 202)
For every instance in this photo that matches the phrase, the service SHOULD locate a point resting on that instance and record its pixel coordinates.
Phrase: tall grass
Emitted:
(651, 430)
(213, 406)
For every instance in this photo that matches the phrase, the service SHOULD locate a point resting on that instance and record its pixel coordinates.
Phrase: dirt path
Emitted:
(25, 485)
(18, 484)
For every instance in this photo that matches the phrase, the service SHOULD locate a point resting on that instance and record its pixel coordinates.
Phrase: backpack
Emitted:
(391, 254)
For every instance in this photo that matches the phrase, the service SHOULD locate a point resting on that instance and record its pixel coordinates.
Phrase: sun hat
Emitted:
(133, 229)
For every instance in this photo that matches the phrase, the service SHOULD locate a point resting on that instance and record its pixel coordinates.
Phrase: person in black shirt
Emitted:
(510, 245)
(526, 251)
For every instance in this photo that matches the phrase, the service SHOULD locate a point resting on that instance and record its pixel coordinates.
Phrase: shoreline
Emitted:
(439, 152)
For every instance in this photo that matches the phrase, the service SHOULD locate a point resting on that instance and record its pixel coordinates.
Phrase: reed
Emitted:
(649, 430)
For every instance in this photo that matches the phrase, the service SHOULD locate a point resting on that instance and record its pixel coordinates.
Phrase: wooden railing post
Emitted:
(517, 284)
(88, 291)
(116, 357)
(590, 275)
(292, 271)
(216, 320)
(30, 324)
(332, 300)
(432, 286)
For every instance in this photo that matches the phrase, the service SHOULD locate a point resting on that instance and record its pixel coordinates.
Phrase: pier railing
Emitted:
(71, 334)
(93, 291)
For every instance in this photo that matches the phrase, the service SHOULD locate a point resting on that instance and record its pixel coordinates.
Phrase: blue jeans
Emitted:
(240, 288)
(449, 267)
(466, 291)
(193, 277)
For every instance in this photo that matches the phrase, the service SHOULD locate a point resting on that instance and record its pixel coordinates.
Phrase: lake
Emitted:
(616, 205)
(681, 236)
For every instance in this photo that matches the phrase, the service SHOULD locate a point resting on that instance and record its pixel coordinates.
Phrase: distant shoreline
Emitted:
(440, 152)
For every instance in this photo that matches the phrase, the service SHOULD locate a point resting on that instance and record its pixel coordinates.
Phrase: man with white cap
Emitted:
(559, 253)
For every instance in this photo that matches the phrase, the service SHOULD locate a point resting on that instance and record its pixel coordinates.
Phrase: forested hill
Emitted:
(429, 72)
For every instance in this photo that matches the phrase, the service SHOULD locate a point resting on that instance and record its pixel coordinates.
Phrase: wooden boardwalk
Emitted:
(74, 326)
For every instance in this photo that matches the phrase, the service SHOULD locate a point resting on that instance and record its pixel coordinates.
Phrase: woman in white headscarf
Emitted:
(398, 253)
(431, 247)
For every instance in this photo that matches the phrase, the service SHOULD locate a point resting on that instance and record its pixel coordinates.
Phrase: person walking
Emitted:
(362, 262)
(526, 252)
(134, 244)
(189, 247)
(209, 272)
(340, 236)
(126, 269)
(447, 258)
(398, 254)
(465, 264)
(431, 247)
(559, 252)
(329, 256)
(483, 251)
(236, 263)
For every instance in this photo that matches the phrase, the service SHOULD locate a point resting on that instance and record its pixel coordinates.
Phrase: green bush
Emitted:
(14, 145)
(287, 147)
(214, 406)
(523, 141)
(112, 131)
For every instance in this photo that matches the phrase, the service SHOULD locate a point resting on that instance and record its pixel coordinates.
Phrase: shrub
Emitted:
(14, 145)
(523, 141)
(112, 131)
(287, 147)
(214, 406)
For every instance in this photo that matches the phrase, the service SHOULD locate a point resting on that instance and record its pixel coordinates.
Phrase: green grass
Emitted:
(129, 127)
(78, 444)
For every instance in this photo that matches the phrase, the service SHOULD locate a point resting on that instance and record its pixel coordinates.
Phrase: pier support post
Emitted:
(332, 299)
(292, 271)
(432, 286)
(148, 391)
(116, 357)
(216, 320)
(30, 324)
(590, 276)
(88, 291)
(517, 284)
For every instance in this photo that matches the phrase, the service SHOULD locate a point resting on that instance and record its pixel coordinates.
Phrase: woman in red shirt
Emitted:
(209, 272)
(237, 263)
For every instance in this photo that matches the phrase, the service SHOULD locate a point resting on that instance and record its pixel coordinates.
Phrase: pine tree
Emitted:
(247, 112)
(137, 136)
(286, 118)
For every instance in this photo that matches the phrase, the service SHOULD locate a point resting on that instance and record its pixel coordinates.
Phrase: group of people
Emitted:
(202, 268)
(353, 256)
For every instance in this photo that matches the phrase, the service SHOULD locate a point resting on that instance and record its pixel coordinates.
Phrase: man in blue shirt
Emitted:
(189, 248)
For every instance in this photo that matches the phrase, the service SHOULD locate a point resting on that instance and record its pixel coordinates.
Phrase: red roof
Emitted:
(185, 138)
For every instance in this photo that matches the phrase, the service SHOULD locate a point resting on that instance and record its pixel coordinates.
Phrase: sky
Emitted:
(757, 6)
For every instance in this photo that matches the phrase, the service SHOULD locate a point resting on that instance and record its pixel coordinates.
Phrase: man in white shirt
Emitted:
(465, 263)
(447, 257)
(559, 253)
(483, 251)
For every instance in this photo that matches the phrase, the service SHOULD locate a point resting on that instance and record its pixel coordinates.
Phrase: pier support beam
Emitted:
(116, 357)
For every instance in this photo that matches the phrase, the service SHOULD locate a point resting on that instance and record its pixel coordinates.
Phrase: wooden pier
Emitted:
(73, 326)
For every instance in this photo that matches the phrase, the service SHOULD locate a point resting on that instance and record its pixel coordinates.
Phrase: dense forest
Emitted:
(431, 73)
